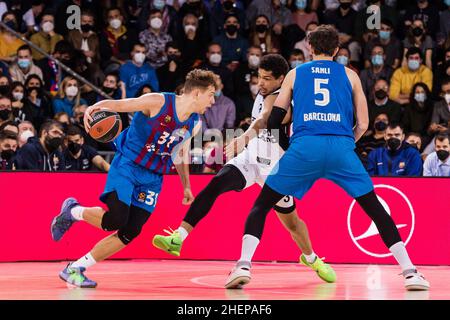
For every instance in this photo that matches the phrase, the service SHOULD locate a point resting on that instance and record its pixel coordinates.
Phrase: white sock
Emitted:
(249, 245)
(310, 257)
(183, 233)
(77, 212)
(85, 261)
(401, 255)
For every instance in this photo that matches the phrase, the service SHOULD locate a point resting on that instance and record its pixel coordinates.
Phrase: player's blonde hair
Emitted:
(200, 79)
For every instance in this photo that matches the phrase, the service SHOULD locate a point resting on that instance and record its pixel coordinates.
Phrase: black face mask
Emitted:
(7, 154)
(86, 27)
(393, 144)
(417, 32)
(380, 125)
(109, 91)
(414, 145)
(173, 57)
(442, 155)
(231, 29)
(228, 5)
(4, 114)
(73, 147)
(261, 28)
(12, 25)
(52, 144)
(4, 90)
(346, 5)
(380, 94)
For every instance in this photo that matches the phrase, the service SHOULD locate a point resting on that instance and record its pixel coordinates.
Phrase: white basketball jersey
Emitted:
(264, 149)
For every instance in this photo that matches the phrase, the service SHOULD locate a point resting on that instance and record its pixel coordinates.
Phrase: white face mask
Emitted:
(189, 27)
(48, 26)
(139, 57)
(420, 97)
(115, 23)
(215, 58)
(71, 91)
(447, 98)
(254, 88)
(24, 136)
(18, 96)
(156, 23)
(253, 61)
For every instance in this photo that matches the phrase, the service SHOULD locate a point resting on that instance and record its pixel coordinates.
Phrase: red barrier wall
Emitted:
(339, 231)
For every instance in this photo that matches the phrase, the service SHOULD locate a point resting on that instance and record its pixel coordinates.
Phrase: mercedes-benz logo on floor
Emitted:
(363, 230)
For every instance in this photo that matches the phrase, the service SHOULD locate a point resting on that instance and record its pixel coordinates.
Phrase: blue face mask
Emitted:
(385, 35)
(159, 4)
(296, 63)
(413, 65)
(377, 60)
(23, 63)
(218, 93)
(342, 60)
(447, 3)
(301, 4)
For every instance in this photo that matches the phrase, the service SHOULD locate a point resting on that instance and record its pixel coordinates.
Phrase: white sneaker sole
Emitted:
(238, 282)
(417, 287)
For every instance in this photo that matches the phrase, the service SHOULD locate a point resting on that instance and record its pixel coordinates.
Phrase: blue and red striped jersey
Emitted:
(150, 142)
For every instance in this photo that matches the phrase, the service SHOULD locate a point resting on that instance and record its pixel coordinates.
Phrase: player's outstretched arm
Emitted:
(150, 104)
(282, 103)
(360, 105)
(182, 161)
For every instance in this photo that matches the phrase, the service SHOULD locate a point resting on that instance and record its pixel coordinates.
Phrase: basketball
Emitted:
(105, 126)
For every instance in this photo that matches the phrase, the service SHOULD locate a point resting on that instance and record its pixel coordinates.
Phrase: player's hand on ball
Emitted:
(188, 197)
(87, 115)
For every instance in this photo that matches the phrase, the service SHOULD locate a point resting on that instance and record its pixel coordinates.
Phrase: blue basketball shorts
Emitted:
(310, 158)
(134, 184)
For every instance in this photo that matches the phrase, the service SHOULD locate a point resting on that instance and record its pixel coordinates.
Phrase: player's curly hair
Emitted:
(200, 79)
(275, 63)
(324, 40)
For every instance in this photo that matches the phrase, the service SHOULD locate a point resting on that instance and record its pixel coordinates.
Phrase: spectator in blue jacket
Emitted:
(68, 96)
(43, 153)
(397, 158)
(136, 72)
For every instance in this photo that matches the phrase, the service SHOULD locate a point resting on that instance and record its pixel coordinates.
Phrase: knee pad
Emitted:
(285, 205)
(117, 215)
(138, 217)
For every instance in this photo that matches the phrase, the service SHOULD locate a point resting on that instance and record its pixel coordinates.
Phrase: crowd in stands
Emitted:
(132, 47)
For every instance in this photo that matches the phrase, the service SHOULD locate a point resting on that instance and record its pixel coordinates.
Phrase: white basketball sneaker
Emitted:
(238, 277)
(414, 280)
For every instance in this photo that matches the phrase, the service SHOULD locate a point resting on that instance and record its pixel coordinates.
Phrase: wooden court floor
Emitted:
(203, 280)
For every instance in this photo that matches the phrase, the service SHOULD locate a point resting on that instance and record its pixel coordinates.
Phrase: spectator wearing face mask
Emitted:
(24, 65)
(198, 9)
(377, 70)
(417, 115)
(414, 140)
(374, 140)
(5, 110)
(26, 131)
(242, 75)
(8, 148)
(417, 37)
(43, 153)
(234, 46)
(46, 38)
(68, 96)
(10, 43)
(391, 45)
(81, 157)
(5, 85)
(343, 58)
(296, 58)
(437, 164)
(214, 64)
(396, 158)
(116, 41)
(192, 44)
(262, 35)
(37, 101)
(86, 39)
(169, 16)
(404, 78)
(173, 72)
(427, 12)
(136, 72)
(155, 40)
(274, 10)
(440, 119)
(20, 111)
(219, 13)
(302, 15)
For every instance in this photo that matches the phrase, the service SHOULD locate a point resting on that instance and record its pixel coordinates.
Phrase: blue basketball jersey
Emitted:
(322, 100)
(149, 142)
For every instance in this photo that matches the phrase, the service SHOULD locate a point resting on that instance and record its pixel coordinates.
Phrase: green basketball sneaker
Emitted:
(171, 243)
(323, 270)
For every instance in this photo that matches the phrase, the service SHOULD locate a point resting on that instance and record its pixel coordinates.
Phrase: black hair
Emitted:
(73, 131)
(274, 63)
(46, 126)
(6, 134)
(63, 47)
(394, 125)
(414, 50)
(24, 47)
(324, 40)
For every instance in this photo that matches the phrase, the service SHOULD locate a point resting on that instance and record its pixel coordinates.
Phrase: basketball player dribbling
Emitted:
(252, 165)
(325, 96)
(157, 140)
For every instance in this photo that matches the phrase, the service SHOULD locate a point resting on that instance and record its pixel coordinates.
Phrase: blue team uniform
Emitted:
(322, 144)
(144, 154)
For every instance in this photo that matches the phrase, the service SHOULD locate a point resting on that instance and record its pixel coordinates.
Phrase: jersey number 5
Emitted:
(318, 89)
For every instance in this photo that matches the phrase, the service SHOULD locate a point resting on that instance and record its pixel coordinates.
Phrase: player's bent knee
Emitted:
(114, 220)
(128, 235)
